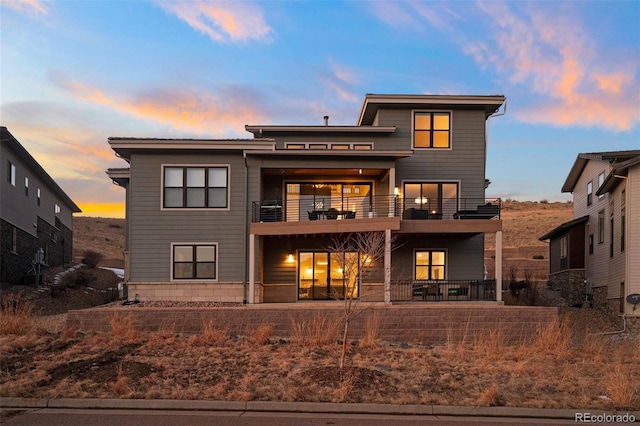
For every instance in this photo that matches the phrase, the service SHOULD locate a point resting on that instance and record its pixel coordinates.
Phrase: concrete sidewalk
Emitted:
(304, 407)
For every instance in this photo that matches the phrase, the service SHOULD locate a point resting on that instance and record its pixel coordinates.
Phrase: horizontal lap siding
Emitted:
(153, 230)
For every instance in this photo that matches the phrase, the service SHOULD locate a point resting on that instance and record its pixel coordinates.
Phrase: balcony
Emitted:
(360, 214)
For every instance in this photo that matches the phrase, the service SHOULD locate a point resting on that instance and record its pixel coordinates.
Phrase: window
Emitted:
(611, 239)
(328, 275)
(589, 192)
(600, 182)
(26, 186)
(11, 173)
(195, 187)
(622, 228)
(363, 147)
(591, 244)
(295, 146)
(437, 198)
(601, 227)
(194, 261)
(38, 194)
(564, 252)
(430, 265)
(431, 130)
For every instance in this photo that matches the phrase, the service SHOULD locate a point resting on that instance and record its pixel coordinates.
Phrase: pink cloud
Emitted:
(558, 60)
(221, 21)
(30, 7)
(219, 113)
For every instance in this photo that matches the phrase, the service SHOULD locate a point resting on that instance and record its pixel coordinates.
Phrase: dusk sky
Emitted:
(74, 73)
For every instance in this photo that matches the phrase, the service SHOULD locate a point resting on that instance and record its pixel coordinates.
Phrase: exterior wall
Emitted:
(189, 292)
(576, 255)
(597, 264)
(152, 230)
(632, 238)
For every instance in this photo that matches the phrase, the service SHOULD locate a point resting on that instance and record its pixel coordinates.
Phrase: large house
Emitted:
(596, 256)
(36, 216)
(252, 220)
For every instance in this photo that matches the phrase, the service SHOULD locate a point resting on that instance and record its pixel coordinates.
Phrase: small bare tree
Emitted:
(361, 255)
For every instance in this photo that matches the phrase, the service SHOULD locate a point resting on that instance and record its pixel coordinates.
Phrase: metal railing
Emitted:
(307, 208)
(442, 290)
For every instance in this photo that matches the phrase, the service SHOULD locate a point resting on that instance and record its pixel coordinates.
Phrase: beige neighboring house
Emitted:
(605, 230)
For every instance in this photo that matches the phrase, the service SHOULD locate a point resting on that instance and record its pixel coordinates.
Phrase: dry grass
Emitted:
(371, 330)
(17, 315)
(484, 370)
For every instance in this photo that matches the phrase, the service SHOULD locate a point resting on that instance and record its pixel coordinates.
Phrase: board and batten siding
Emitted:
(153, 229)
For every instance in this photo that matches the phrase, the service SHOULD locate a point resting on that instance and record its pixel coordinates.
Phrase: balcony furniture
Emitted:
(418, 214)
(331, 214)
(313, 215)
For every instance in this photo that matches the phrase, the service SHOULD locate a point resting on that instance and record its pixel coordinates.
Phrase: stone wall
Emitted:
(571, 285)
(431, 325)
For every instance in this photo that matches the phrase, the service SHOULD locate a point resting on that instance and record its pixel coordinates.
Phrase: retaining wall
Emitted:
(425, 324)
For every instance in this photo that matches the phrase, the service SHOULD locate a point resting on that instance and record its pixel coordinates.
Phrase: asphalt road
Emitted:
(99, 417)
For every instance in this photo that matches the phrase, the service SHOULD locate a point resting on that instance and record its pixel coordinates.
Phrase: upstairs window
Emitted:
(589, 193)
(38, 196)
(11, 173)
(432, 130)
(600, 182)
(601, 227)
(195, 187)
(26, 186)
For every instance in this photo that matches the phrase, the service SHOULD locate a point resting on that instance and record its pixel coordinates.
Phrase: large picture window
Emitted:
(431, 130)
(430, 264)
(438, 199)
(195, 187)
(194, 261)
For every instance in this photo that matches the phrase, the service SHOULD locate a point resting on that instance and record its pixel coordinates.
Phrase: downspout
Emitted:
(246, 235)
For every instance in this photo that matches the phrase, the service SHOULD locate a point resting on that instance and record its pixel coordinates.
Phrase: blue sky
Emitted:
(74, 73)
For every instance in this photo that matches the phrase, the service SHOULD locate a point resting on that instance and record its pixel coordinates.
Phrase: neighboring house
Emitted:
(250, 220)
(597, 255)
(36, 216)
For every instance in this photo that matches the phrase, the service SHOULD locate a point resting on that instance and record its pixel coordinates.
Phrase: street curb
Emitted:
(301, 407)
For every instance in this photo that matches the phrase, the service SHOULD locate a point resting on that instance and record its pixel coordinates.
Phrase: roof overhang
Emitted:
(119, 176)
(12, 143)
(125, 146)
(617, 174)
(372, 102)
(306, 153)
(563, 228)
(261, 130)
(583, 158)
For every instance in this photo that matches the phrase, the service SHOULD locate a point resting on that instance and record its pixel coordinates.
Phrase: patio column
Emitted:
(387, 266)
(252, 269)
(392, 187)
(498, 266)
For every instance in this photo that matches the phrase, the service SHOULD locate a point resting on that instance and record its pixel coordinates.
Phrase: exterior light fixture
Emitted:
(421, 200)
(290, 258)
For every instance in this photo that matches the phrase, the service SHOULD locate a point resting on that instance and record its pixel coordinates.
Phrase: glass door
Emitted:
(313, 275)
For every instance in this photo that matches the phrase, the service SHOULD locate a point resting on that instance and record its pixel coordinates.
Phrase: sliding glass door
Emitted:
(323, 275)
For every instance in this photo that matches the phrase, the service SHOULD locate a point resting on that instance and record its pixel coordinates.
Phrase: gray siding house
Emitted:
(251, 220)
(36, 216)
(597, 254)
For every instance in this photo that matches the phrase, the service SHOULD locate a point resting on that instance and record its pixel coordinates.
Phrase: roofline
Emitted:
(617, 174)
(583, 158)
(371, 103)
(21, 152)
(565, 226)
(119, 176)
(257, 129)
(124, 146)
(333, 152)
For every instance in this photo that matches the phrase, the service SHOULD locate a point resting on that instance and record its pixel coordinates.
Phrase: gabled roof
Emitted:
(616, 175)
(373, 102)
(563, 228)
(583, 159)
(12, 143)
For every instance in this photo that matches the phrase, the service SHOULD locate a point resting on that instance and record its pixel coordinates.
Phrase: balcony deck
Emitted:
(275, 217)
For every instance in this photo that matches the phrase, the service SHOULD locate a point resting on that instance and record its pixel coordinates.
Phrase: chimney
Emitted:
(326, 120)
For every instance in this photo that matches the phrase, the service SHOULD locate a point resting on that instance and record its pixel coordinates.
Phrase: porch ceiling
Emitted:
(355, 172)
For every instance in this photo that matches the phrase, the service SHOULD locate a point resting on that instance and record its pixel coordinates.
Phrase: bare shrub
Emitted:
(17, 315)
(371, 330)
(318, 331)
(121, 385)
(213, 334)
(553, 337)
(261, 335)
(78, 278)
(122, 327)
(91, 258)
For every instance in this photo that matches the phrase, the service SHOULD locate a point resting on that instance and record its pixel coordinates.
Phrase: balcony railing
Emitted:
(343, 208)
(442, 290)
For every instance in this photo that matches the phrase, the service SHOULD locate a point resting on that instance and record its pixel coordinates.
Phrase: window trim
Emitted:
(589, 192)
(430, 265)
(431, 112)
(193, 245)
(195, 166)
(11, 173)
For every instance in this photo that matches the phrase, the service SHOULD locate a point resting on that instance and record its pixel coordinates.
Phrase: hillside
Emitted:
(523, 223)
